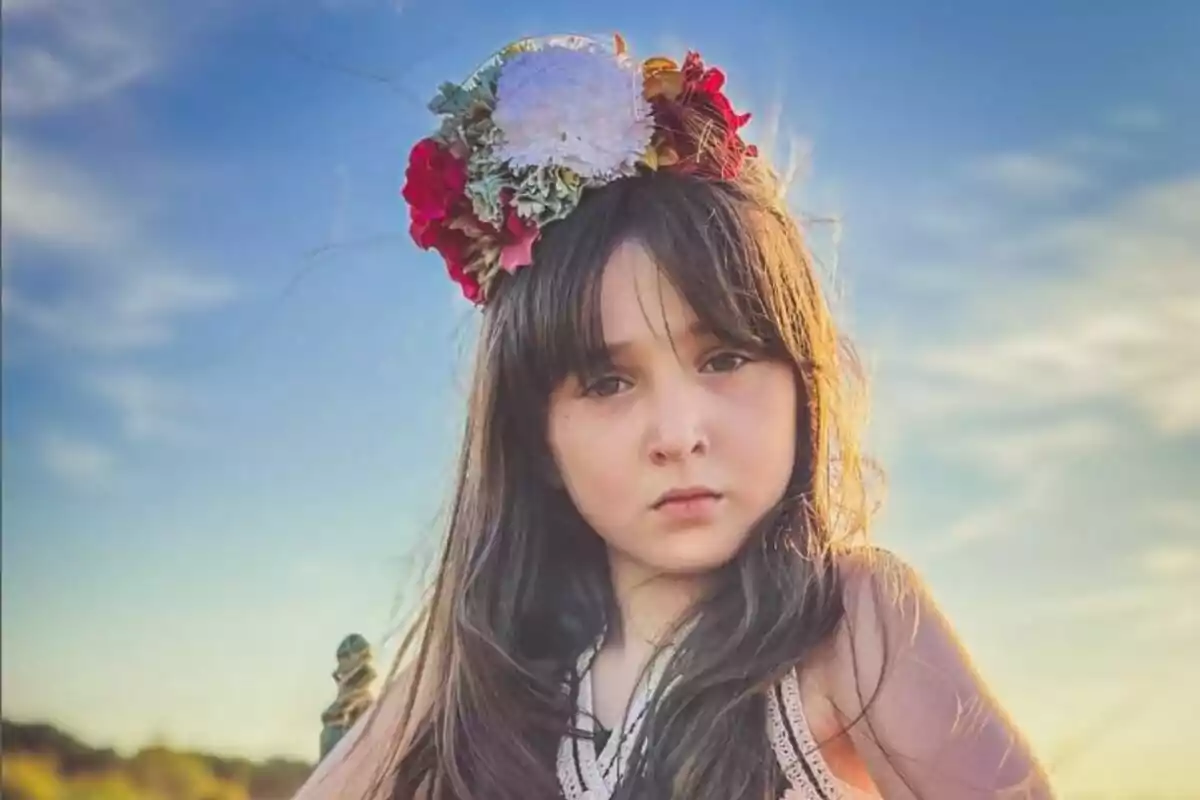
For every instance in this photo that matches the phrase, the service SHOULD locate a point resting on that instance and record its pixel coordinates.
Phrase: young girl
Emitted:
(653, 584)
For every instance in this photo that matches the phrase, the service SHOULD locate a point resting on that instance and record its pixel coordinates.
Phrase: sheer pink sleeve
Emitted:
(919, 714)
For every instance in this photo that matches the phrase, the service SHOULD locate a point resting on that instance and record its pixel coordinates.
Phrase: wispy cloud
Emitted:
(1117, 319)
(1014, 448)
(1016, 508)
(59, 55)
(147, 408)
(81, 463)
(138, 312)
(1110, 601)
(48, 202)
(783, 147)
(1158, 599)
(1076, 333)
(89, 284)
(122, 291)
(1031, 175)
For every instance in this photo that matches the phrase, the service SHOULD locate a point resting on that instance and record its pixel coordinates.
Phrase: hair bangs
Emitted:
(551, 313)
(718, 272)
(547, 317)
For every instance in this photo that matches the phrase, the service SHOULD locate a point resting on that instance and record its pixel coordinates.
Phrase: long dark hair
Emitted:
(522, 585)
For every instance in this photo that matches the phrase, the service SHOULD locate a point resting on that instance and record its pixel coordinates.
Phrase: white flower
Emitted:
(578, 108)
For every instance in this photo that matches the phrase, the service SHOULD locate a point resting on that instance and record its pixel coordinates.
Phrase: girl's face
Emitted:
(673, 449)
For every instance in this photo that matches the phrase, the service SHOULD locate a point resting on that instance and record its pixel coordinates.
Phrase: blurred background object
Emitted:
(354, 675)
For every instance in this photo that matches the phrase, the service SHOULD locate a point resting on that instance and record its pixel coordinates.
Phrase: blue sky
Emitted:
(231, 386)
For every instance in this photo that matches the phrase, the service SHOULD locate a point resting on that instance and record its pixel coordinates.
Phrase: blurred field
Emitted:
(41, 762)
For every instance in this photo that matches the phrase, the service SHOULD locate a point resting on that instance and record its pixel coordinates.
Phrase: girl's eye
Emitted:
(725, 362)
(604, 387)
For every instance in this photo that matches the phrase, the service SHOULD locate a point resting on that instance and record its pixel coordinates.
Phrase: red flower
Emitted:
(454, 246)
(425, 232)
(468, 284)
(517, 237)
(435, 181)
(697, 123)
(435, 189)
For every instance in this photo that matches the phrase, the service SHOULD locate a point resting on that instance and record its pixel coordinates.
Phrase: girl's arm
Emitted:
(920, 716)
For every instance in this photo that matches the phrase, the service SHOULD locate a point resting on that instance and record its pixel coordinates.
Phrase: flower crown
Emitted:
(540, 123)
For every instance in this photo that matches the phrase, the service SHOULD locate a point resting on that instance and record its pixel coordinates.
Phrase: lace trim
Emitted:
(586, 775)
(794, 745)
(577, 773)
(582, 773)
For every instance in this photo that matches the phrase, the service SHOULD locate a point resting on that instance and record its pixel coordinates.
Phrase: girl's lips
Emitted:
(689, 505)
(686, 494)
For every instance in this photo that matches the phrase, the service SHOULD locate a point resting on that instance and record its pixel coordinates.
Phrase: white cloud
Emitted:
(1162, 610)
(1013, 448)
(1010, 512)
(148, 409)
(45, 201)
(136, 310)
(1110, 601)
(791, 153)
(116, 291)
(74, 52)
(78, 462)
(1071, 338)
(123, 292)
(1157, 599)
(1116, 319)
(1030, 175)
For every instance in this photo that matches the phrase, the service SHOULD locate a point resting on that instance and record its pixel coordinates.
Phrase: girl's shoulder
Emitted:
(881, 594)
(872, 582)
(888, 611)
(896, 677)
(871, 566)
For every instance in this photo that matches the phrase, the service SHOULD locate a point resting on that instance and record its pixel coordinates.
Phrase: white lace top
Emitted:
(585, 774)
(797, 752)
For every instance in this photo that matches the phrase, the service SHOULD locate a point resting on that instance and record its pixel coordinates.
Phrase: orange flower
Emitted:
(661, 78)
(696, 128)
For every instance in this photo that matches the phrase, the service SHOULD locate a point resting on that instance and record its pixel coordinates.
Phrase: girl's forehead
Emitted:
(639, 302)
